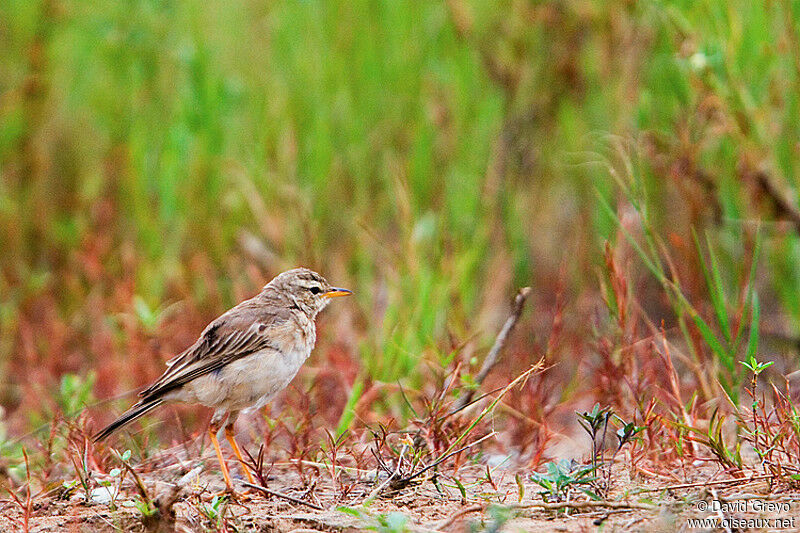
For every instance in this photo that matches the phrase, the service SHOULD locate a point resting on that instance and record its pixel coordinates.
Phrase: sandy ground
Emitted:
(656, 504)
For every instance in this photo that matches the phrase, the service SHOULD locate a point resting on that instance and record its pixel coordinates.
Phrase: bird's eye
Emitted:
(315, 290)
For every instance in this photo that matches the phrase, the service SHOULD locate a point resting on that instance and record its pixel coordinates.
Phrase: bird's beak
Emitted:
(333, 292)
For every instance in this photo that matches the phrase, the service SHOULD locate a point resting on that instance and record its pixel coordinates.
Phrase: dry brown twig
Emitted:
(738, 481)
(292, 499)
(450, 520)
(406, 480)
(499, 343)
(588, 504)
(549, 506)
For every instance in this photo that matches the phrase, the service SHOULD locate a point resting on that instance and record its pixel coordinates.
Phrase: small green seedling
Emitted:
(627, 432)
(595, 422)
(215, 511)
(756, 367)
(564, 476)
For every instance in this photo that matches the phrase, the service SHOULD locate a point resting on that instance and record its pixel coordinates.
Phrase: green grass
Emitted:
(436, 165)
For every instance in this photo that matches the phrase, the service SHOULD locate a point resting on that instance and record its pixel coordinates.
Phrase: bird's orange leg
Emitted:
(235, 447)
(212, 431)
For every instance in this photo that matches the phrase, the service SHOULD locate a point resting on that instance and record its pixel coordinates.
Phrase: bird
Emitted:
(243, 358)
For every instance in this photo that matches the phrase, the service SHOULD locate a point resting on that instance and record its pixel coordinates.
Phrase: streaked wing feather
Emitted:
(222, 341)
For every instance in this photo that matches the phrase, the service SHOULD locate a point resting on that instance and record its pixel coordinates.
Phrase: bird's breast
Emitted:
(254, 380)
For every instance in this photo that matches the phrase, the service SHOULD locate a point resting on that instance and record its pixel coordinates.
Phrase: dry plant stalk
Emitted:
(499, 343)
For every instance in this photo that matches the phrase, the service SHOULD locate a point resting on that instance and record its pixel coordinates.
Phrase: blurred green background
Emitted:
(160, 160)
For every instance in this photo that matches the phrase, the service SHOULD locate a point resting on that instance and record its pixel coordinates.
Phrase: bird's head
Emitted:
(307, 289)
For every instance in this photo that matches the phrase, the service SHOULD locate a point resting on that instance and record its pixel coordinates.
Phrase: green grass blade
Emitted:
(651, 265)
(750, 289)
(718, 292)
(752, 341)
(717, 299)
(713, 342)
(349, 409)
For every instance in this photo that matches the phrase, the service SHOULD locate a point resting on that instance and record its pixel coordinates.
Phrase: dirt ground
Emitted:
(657, 503)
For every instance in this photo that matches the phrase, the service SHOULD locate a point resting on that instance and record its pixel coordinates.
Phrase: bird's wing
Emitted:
(232, 336)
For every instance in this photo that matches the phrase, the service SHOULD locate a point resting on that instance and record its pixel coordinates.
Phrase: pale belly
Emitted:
(251, 381)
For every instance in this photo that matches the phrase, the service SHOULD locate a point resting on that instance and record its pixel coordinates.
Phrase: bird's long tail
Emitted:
(128, 416)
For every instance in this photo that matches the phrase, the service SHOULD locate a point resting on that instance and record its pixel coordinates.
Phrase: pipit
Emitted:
(244, 358)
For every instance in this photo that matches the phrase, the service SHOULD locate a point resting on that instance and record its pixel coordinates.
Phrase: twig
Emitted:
(521, 378)
(447, 456)
(590, 504)
(777, 465)
(393, 475)
(468, 404)
(447, 522)
(709, 483)
(350, 469)
(499, 343)
(292, 499)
